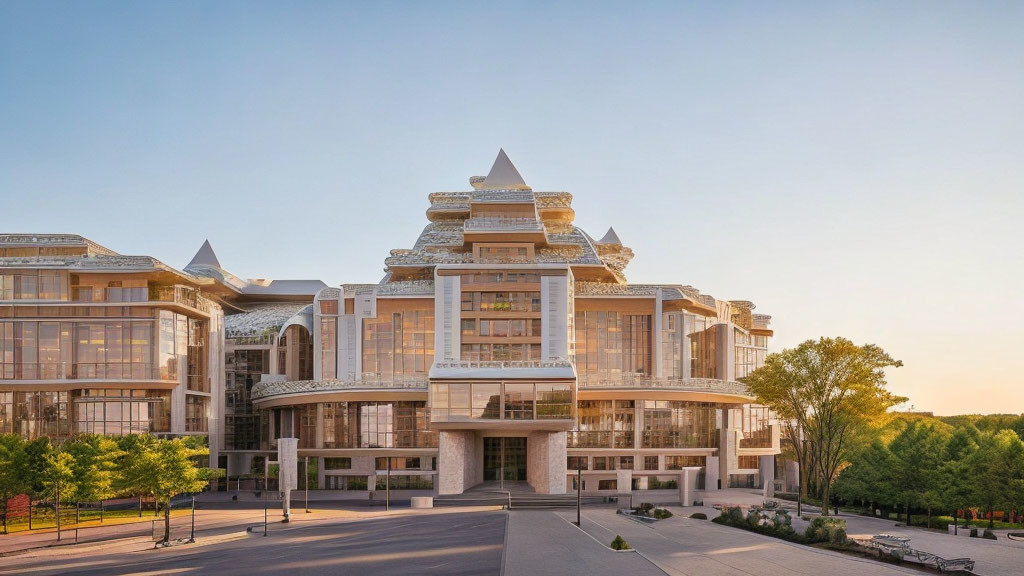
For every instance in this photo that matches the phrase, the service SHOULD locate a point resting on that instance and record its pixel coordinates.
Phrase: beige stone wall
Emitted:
(545, 462)
(459, 461)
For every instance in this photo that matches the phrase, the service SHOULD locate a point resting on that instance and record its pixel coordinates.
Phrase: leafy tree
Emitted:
(95, 466)
(14, 468)
(868, 478)
(955, 472)
(997, 470)
(917, 455)
(164, 469)
(36, 451)
(831, 390)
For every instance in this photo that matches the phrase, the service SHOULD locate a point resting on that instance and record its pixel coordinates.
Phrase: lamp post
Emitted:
(387, 488)
(579, 490)
(192, 534)
(266, 488)
(307, 484)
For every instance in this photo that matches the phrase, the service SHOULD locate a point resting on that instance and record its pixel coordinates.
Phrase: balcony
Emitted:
(267, 389)
(622, 439)
(79, 371)
(641, 382)
(485, 229)
(503, 369)
(503, 225)
(180, 295)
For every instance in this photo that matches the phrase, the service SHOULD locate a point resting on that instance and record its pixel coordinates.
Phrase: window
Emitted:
(400, 340)
(677, 424)
(397, 463)
(680, 462)
(625, 462)
(328, 306)
(329, 346)
(748, 463)
(607, 484)
(610, 344)
(650, 462)
(576, 463)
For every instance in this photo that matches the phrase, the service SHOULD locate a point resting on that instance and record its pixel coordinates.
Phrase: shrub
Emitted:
(733, 514)
(699, 516)
(824, 529)
(620, 544)
(661, 513)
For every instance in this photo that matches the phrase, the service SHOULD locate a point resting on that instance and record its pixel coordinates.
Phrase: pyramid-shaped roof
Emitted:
(503, 174)
(610, 237)
(205, 257)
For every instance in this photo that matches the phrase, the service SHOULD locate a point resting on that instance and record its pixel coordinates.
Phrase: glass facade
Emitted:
(500, 401)
(370, 425)
(677, 424)
(243, 370)
(603, 424)
(400, 340)
(103, 411)
(109, 349)
(610, 344)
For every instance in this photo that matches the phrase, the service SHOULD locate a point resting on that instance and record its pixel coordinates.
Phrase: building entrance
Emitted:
(505, 458)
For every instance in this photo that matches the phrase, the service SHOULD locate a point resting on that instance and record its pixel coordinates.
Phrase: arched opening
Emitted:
(295, 353)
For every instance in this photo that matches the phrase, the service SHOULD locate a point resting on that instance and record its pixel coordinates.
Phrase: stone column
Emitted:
(767, 472)
(546, 462)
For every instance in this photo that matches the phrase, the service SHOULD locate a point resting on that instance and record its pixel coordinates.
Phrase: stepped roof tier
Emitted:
(502, 209)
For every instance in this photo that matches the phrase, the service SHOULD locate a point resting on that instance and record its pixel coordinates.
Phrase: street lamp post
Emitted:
(579, 490)
(387, 488)
(307, 484)
(192, 534)
(266, 488)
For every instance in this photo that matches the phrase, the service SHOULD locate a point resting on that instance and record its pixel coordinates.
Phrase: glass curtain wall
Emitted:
(611, 344)
(399, 341)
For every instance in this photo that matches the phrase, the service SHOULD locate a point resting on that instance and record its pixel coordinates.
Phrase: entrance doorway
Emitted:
(505, 457)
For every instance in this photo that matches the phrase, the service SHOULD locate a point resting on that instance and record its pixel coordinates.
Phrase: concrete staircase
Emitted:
(514, 496)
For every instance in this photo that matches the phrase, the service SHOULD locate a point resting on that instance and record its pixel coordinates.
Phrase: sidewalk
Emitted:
(541, 542)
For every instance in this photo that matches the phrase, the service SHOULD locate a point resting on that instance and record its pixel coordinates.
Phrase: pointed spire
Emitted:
(205, 257)
(503, 174)
(610, 237)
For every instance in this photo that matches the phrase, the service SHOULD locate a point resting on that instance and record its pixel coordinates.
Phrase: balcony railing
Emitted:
(79, 371)
(251, 340)
(757, 439)
(179, 295)
(266, 389)
(599, 439)
(464, 364)
(503, 224)
(640, 382)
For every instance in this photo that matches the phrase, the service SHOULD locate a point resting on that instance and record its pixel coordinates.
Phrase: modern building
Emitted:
(507, 346)
(92, 341)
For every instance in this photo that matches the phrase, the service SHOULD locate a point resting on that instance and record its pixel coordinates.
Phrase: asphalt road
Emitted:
(457, 543)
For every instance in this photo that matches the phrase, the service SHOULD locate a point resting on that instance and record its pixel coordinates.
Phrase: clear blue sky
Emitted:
(854, 169)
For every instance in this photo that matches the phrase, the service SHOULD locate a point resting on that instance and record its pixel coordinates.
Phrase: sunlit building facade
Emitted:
(92, 341)
(506, 346)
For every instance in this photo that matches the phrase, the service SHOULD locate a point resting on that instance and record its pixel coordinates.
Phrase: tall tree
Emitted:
(998, 471)
(831, 389)
(95, 466)
(917, 452)
(164, 469)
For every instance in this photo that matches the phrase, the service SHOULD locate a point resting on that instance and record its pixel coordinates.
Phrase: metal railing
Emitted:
(179, 295)
(634, 381)
(501, 224)
(503, 364)
(79, 371)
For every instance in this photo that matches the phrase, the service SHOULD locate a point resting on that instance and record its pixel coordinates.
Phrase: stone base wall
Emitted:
(545, 462)
(459, 461)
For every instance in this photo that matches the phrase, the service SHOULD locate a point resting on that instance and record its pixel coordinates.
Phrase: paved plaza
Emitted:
(463, 541)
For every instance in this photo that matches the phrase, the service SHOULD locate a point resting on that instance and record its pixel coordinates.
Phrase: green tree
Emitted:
(956, 475)
(14, 468)
(96, 460)
(996, 468)
(917, 458)
(831, 390)
(868, 478)
(164, 469)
